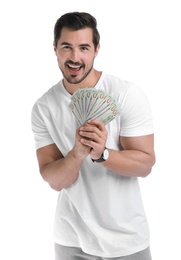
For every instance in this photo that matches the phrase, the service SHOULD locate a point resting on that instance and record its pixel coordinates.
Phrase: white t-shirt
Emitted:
(101, 212)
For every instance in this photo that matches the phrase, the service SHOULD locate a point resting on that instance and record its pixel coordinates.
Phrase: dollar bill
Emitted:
(90, 103)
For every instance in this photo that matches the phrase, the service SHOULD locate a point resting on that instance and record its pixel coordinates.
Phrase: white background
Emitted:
(140, 42)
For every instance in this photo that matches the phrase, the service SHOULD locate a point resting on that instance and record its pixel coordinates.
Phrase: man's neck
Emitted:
(90, 81)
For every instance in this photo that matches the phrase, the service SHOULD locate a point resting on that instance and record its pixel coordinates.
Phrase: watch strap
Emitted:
(101, 159)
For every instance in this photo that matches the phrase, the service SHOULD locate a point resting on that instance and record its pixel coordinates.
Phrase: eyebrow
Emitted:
(81, 45)
(65, 43)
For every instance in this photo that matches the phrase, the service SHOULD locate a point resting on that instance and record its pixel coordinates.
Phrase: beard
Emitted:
(73, 78)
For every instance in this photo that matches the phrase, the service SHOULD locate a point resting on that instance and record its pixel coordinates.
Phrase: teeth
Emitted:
(73, 66)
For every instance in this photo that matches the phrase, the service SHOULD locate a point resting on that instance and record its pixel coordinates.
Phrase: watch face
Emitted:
(106, 154)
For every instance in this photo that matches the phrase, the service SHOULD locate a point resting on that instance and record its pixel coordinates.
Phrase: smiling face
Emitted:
(75, 54)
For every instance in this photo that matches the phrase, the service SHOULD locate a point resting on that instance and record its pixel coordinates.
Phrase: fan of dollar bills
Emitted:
(90, 103)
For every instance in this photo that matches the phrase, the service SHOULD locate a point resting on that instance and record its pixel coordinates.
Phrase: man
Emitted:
(95, 167)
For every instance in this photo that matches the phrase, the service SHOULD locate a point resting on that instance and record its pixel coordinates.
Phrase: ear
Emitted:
(97, 49)
(55, 48)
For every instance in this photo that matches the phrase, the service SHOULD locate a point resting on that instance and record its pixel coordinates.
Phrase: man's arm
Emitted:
(136, 158)
(61, 172)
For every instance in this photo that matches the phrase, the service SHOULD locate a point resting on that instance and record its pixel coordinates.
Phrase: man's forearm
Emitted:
(63, 172)
(130, 163)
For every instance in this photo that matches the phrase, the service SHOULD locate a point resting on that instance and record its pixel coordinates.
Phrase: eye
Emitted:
(66, 47)
(84, 48)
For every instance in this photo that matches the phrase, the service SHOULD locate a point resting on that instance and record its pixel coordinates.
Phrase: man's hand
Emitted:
(94, 135)
(81, 149)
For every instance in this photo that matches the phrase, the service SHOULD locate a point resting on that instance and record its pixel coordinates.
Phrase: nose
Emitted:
(74, 55)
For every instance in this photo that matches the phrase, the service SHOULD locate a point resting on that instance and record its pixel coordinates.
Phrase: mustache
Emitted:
(70, 62)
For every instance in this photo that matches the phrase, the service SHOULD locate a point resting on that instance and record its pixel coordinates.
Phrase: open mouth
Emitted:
(74, 67)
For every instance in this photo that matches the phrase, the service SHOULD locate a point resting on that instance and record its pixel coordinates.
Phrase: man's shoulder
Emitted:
(50, 93)
(115, 84)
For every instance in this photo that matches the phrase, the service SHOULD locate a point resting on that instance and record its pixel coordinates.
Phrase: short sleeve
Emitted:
(41, 134)
(136, 114)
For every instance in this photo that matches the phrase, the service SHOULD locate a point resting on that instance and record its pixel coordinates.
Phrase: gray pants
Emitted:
(75, 253)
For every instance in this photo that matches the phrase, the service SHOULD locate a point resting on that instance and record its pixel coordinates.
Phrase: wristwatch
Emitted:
(103, 157)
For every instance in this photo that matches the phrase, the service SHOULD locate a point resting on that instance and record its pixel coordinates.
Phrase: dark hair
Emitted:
(76, 21)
